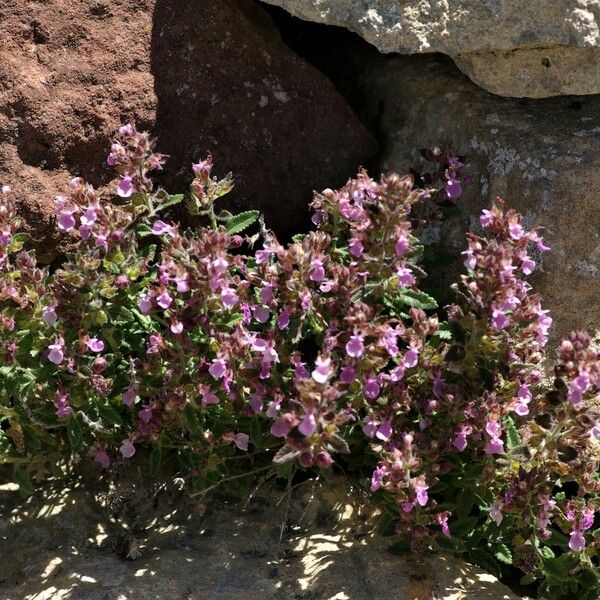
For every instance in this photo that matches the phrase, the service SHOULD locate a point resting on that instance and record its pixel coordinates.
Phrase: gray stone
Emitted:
(542, 156)
(484, 35)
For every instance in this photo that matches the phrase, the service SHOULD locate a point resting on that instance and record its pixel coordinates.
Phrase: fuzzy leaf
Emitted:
(238, 223)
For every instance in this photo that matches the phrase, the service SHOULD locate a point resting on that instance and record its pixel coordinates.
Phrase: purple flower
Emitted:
(486, 218)
(145, 414)
(405, 276)
(307, 426)
(164, 300)
(384, 431)
(442, 520)
(356, 248)
(229, 297)
(127, 448)
(160, 228)
(499, 319)
(66, 221)
(527, 265)
(372, 388)
(279, 429)
(100, 456)
(516, 231)
(402, 245)
(496, 513)
(355, 347)
(49, 315)
(95, 345)
(322, 371)
(460, 441)
(176, 327)
(284, 318)
(576, 541)
(317, 272)
(261, 313)
(397, 373)
(209, 397)
(348, 374)
(494, 446)
(377, 478)
(56, 354)
(125, 189)
(241, 441)
(595, 431)
(218, 368)
(422, 496)
(411, 358)
(129, 395)
(453, 188)
(88, 218)
(470, 260)
(578, 387)
(144, 304)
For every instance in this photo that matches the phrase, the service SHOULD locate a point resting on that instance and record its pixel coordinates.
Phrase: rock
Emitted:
(327, 550)
(534, 72)
(541, 156)
(501, 45)
(203, 75)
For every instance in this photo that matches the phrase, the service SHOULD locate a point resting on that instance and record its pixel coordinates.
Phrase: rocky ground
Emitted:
(71, 543)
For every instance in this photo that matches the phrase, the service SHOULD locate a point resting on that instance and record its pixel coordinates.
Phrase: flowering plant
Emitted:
(227, 355)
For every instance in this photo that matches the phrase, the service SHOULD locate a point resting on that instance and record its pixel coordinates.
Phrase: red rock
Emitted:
(203, 75)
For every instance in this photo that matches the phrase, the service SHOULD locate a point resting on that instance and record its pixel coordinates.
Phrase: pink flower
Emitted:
(460, 441)
(261, 313)
(470, 260)
(516, 231)
(56, 354)
(284, 318)
(576, 541)
(442, 520)
(125, 190)
(422, 496)
(356, 248)
(279, 429)
(405, 276)
(307, 426)
(496, 513)
(402, 245)
(164, 300)
(144, 304)
(218, 368)
(322, 371)
(317, 272)
(355, 347)
(209, 397)
(578, 387)
(176, 327)
(49, 315)
(129, 395)
(127, 448)
(486, 218)
(88, 218)
(397, 373)
(66, 221)
(494, 446)
(411, 358)
(160, 227)
(377, 478)
(499, 319)
(527, 265)
(595, 431)
(241, 441)
(229, 297)
(101, 456)
(95, 345)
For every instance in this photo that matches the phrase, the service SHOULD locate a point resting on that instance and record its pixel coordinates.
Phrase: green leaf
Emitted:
(503, 553)
(75, 433)
(143, 230)
(527, 579)
(109, 414)
(24, 482)
(174, 199)
(238, 223)
(155, 460)
(512, 435)
(443, 332)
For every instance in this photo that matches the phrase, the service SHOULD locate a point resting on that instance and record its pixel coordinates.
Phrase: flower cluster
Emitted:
(227, 352)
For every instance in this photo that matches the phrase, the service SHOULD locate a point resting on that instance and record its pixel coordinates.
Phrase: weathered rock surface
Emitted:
(61, 547)
(542, 156)
(204, 75)
(501, 45)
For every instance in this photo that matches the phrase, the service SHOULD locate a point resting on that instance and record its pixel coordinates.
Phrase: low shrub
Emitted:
(232, 355)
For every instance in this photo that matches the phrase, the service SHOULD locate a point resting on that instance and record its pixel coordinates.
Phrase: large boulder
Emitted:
(542, 156)
(203, 75)
(520, 48)
(315, 542)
